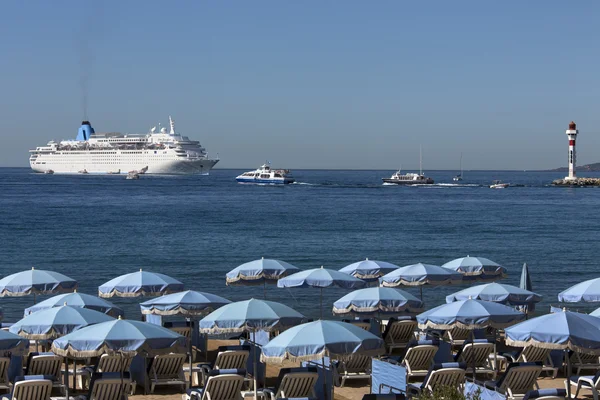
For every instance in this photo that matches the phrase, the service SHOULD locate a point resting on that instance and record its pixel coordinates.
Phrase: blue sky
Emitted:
(308, 84)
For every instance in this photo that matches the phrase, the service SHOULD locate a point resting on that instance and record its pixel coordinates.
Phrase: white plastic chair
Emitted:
(294, 383)
(167, 370)
(220, 385)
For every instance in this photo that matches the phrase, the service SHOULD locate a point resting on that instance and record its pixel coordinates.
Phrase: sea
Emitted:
(197, 228)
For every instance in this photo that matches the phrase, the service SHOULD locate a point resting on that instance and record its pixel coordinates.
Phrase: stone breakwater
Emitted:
(577, 182)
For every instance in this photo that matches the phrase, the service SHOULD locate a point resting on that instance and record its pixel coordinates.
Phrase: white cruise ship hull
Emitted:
(100, 164)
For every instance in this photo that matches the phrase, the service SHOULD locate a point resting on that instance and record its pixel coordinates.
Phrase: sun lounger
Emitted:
(221, 384)
(581, 361)
(591, 382)
(4, 382)
(399, 332)
(546, 394)
(109, 386)
(477, 353)
(228, 357)
(444, 374)
(294, 383)
(457, 336)
(388, 396)
(517, 380)
(106, 363)
(167, 369)
(357, 367)
(419, 357)
(47, 364)
(535, 354)
(362, 324)
(33, 387)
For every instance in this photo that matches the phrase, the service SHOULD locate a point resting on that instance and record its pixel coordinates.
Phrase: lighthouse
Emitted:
(572, 134)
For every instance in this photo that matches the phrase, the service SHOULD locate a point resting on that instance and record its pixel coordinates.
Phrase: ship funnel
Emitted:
(85, 131)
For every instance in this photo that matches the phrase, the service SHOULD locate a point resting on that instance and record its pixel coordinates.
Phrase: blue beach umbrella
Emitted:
(36, 281)
(57, 321)
(15, 344)
(77, 300)
(469, 314)
(141, 283)
(477, 268)
(122, 336)
(369, 270)
(587, 291)
(321, 278)
(378, 300)
(258, 272)
(419, 275)
(497, 293)
(595, 313)
(320, 339)
(250, 316)
(558, 331)
(188, 303)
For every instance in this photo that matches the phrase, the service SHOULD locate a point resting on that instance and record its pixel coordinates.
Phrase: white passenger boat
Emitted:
(266, 175)
(398, 178)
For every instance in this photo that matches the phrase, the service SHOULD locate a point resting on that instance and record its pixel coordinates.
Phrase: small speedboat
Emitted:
(499, 185)
(266, 175)
(48, 172)
(117, 172)
(133, 175)
(457, 178)
(83, 171)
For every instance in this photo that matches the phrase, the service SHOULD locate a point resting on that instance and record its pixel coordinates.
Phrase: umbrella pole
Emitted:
(321, 308)
(255, 372)
(191, 349)
(472, 344)
(325, 394)
(421, 288)
(568, 373)
(67, 378)
(265, 289)
(495, 351)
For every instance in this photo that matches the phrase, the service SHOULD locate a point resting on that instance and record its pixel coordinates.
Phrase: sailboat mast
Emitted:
(420, 160)
(461, 165)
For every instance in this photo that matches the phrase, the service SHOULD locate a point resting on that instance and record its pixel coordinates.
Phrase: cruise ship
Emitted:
(159, 152)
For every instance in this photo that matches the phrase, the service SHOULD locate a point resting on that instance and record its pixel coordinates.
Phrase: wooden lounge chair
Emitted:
(546, 394)
(167, 370)
(444, 374)
(228, 357)
(106, 363)
(518, 379)
(221, 384)
(387, 396)
(294, 383)
(582, 361)
(357, 367)
(4, 382)
(419, 357)
(477, 353)
(46, 364)
(33, 387)
(109, 386)
(591, 382)
(457, 336)
(535, 354)
(399, 332)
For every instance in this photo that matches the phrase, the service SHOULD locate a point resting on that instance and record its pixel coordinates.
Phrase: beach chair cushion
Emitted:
(388, 396)
(536, 394)
(423, 342)
(594, 378)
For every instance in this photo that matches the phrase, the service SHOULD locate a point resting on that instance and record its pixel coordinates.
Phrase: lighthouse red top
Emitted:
(572, 126)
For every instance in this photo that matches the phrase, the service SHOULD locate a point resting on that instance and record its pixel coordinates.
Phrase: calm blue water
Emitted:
(196, 228)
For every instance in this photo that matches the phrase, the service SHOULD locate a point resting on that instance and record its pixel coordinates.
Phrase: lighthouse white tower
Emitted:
(572, 134)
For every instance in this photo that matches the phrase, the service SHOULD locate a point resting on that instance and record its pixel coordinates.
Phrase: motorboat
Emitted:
(133, 175)
(117, 172)
(83, 171)
(499, 185)
(266, 175)
(48, 172)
